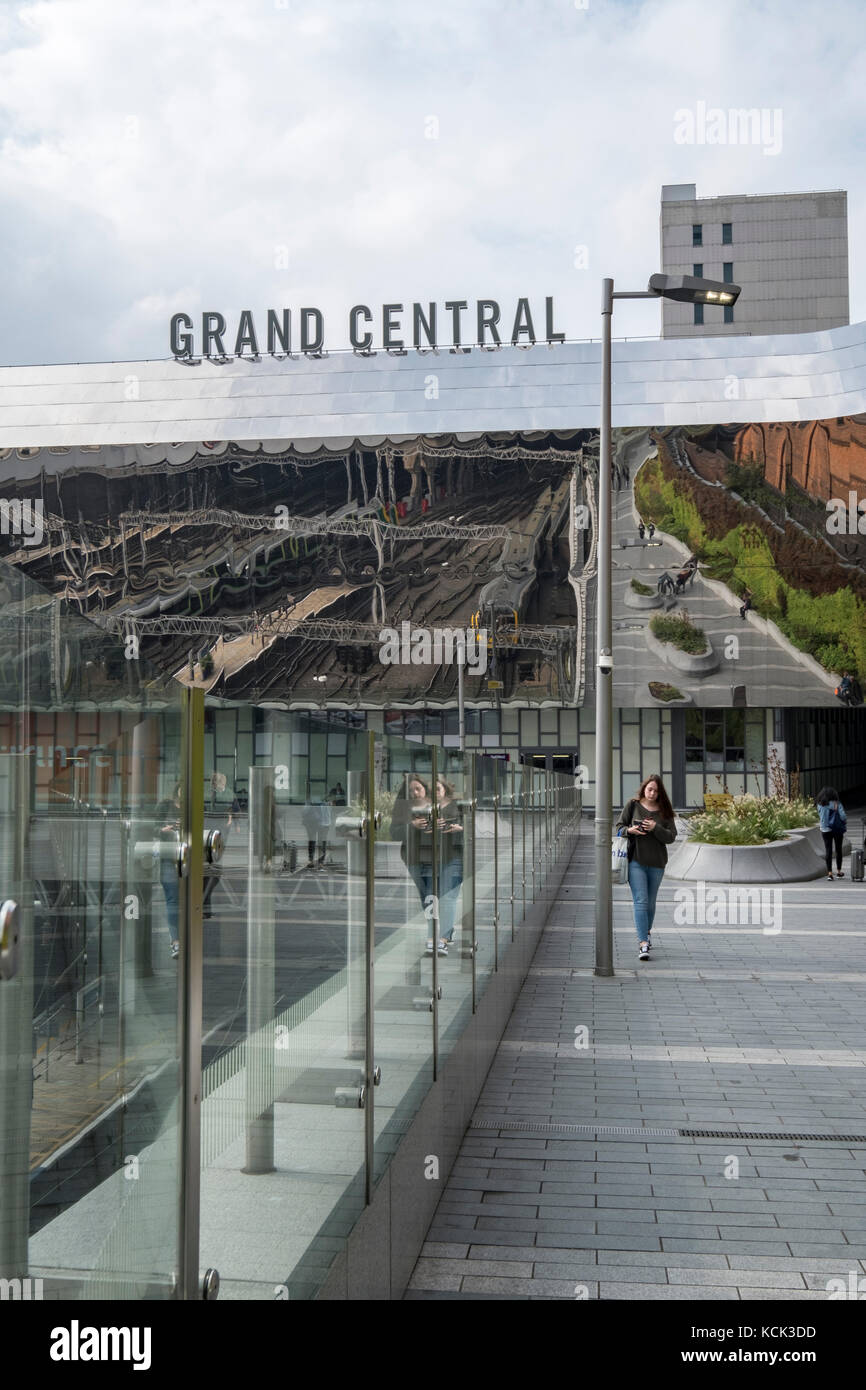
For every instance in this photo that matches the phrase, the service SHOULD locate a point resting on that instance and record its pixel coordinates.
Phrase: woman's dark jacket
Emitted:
(648, 850)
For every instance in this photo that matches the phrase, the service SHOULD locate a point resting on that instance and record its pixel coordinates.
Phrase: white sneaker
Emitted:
(175, 948)
(643, 952)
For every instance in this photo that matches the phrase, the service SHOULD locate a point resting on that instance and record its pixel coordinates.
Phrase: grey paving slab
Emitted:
(440, 1282)
(737, 1278)
(716, 1293)
(558, 1288)
(725, 1029)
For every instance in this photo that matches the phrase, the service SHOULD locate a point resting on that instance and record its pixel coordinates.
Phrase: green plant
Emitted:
(640, 588)
(681, 632)
(752, 820)
(793, 579)
(384, 806)
(661, 690)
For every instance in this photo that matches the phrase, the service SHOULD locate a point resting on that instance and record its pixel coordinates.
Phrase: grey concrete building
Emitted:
(788, 251)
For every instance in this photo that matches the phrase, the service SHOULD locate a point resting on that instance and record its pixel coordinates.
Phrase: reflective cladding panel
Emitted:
(375, 577)
(284, 1038)
(404, 938)
(91, 786)
(339, 397)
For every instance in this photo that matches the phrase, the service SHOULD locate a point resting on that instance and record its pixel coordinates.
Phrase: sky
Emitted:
(166, 157)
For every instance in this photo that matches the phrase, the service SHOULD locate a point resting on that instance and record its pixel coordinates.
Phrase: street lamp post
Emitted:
(688, 289)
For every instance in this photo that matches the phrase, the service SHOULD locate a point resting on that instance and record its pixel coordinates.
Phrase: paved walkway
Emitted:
(575, 1179)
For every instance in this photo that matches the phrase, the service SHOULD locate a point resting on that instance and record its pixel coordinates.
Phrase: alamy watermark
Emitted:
(22, 518)
(712, 125)
(24, 1290)
(854, 1288)
(846, 518)
(425, 646)
(737, 905)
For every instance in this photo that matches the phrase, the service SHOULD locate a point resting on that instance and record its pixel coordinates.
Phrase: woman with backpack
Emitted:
(833, 820)
(648, 821)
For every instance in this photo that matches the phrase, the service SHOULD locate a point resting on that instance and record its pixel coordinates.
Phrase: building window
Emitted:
(697, 234)
(699, 313)
(729, 313)
(698, 269)
(727, 234)
(728, 272)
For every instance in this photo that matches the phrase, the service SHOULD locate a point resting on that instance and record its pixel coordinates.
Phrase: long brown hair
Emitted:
(665, 806)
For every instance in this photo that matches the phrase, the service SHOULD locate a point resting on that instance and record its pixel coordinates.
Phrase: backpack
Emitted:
(837, 821)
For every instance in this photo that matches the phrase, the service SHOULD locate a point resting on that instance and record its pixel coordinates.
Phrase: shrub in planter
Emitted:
(661, 690)
(681, 632)
(384, 805)
(640, 588)
(752, 820)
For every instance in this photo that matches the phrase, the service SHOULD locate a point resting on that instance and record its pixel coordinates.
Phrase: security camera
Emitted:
(605, 662)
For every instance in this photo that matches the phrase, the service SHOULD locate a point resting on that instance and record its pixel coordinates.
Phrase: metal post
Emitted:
(532, 819)
(512, 821)
(191, 957)
(548, 820)
(496, 864)
(16, 1002)
(356, 922)
(434, 821)
(472, 896)
(260, 1077)
(461, 709)
(370, 908)
(604, 677)
(523, 835)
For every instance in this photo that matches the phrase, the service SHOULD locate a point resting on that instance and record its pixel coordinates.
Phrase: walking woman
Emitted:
(450, 860)
(168, 814)
(833, 820)
(411, 823)
(649, 823)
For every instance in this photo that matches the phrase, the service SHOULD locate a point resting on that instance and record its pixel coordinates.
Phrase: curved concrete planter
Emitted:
(702, 665)
(781, 861)
(812, 835)
(633, 600)
(669, 704)
(387, 861)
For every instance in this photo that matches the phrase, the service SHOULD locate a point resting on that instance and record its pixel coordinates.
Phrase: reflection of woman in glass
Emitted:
(450, 859)
(411, 822)
(168, 819)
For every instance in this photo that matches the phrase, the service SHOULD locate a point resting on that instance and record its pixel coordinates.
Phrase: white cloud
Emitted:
(153, 157)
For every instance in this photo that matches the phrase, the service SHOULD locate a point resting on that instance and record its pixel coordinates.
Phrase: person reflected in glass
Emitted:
(168, 821)
(316, 818)
(412, 824)
(216, 820)
(450, 860)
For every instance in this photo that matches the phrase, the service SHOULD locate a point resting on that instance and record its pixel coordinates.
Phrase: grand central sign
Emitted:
(392, 327)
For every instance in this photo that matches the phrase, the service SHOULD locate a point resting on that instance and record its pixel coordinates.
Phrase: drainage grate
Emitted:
(771, 1134)
(782, 1136)
(524, 1125)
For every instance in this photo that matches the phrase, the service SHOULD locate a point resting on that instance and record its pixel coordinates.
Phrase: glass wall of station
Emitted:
(236, 951)
(90, 813)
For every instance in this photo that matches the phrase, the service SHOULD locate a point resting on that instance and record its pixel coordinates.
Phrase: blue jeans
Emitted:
(644, 883)
(450, 878)
(171, 889)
